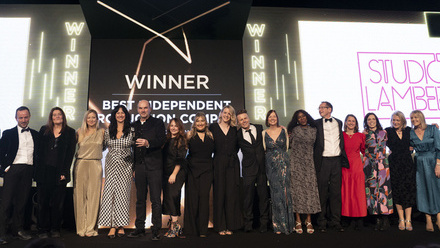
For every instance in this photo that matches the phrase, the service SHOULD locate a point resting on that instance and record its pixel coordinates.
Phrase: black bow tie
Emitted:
(25, 130)
(330, 120)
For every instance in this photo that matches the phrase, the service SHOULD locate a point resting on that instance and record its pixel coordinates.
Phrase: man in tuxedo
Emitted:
(250, 141)
(18, 158)
(330, 157)
(148, 168)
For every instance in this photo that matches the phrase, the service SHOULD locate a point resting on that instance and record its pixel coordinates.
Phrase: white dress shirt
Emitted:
(247, 136)
(25, 152)
(331, 138)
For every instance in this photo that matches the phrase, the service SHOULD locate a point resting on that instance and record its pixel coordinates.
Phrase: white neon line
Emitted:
(73, 45)
(41, 52)
(284, 98)
(51, 79)
(187, 57)
(58, 101)
(288, 57)
(31, 83)
(276, 79)
(271, 104)
(296, 80)
(43, 100)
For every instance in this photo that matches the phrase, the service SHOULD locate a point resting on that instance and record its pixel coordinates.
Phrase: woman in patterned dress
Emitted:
(276, 143)
(402, 169)
(303, 183)
(377, 172)
(115, 204)
(87, 175)
(426, 142)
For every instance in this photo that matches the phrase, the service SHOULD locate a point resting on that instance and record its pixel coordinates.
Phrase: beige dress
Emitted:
(87, 183)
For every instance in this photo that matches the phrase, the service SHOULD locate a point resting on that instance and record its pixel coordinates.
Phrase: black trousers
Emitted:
(144, 180)
(196, 216)
(250, 184)
(329, 187)
(16, 187)
(50, 206)
(226, 191)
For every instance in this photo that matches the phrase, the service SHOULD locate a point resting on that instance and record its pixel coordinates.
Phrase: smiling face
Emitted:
(243, 121)
(372, 122)
(415, 120)
(272, 119)
(174, 129)
(324, 110)
(91, 120)
(144, 109)
(397, 122)
(350, 123)
(23, 117)
(57, 117)
(226, 115)
(120, 116)
(302, 119)
(201, 123)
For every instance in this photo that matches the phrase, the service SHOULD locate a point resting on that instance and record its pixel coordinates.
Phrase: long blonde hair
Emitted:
(192, 133)
(83, 129)
(233, 121)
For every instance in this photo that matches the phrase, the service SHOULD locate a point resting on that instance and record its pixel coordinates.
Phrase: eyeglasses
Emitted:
(322, 108)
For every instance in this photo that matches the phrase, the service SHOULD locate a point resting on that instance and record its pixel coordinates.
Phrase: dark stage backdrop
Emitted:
(174, 87)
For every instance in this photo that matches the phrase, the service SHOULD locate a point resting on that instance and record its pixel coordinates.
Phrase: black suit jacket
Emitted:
(253, 154)
(319, 145)
(9, 147)
(66, 151)
(153, 130)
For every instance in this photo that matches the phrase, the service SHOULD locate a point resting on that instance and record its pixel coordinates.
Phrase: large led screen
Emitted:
(360, 61)
(44, 62)
(126, 71)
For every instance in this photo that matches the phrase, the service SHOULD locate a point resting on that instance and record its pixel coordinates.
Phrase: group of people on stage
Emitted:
(324, 167)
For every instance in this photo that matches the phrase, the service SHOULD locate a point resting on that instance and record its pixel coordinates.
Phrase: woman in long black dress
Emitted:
(198, 184)
(227, 215)
(174, 153)
(402, 169)
(58, 145)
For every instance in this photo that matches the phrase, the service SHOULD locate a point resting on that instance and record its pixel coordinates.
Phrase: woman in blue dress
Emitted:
(277, 170)
(426, 142)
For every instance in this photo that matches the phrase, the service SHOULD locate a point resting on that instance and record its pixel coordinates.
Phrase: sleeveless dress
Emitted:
(115, 203)
(87, 183)
(277, 170)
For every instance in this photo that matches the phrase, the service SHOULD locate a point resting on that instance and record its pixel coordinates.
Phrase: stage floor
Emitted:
(350, 238)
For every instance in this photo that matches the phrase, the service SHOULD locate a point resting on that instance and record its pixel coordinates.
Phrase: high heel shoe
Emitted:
(111, 233)
(401, 225)
(408, 225)
(298, 227)
(309, 227)
(121, 232)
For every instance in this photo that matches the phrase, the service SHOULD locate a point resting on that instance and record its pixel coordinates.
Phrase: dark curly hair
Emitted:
(294, 122)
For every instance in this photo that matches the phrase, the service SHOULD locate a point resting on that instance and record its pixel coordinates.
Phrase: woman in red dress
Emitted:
(354, 202)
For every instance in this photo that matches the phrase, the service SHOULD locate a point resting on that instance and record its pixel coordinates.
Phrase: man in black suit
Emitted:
(148, 168)
(18, 158)
(330, 157)
(250, 141)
